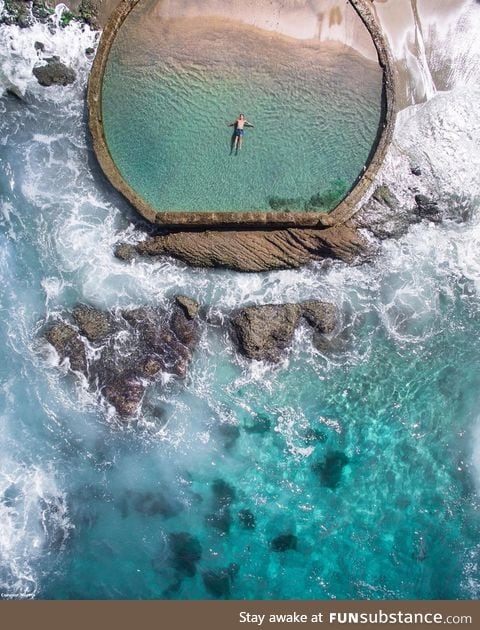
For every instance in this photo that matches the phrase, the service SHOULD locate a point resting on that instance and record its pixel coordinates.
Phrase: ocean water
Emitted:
(368, 451)
(172, 85)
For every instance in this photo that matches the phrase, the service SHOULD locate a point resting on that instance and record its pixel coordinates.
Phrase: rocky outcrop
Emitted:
(94, 324)
(264, 332)
(24, 12)
(121, 352)
(255, 250)
(54, 73)
(69, 345)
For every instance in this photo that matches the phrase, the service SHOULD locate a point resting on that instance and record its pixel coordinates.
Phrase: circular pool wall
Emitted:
(313, 76)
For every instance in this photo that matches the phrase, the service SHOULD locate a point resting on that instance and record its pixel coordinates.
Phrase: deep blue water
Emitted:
(384, 502)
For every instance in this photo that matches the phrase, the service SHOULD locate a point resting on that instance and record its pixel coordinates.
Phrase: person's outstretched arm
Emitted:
(247, 124)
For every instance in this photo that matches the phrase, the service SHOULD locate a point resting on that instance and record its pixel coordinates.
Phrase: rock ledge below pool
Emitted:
(254, 250)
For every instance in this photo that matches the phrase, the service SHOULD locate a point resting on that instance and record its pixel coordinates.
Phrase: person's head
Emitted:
(241, 117)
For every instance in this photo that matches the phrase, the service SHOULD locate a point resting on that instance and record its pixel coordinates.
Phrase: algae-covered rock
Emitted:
(93, 323)
(67, 342)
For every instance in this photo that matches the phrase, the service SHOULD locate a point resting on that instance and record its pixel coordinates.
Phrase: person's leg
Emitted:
(240, 138)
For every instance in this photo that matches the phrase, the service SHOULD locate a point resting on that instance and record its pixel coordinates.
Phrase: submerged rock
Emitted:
(155, 503)
(186, 552)
(247, 519)
(330, 470)
(284, 542)
(54, 73)
(229, 434)
(259, 423)
(315, 435)
(223, 496)
(218, 583)
(223, 492)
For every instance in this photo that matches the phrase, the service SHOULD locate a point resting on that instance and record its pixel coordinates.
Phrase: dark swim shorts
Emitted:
(239, 132)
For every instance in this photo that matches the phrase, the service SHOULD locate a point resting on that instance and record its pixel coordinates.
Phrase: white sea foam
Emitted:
(33, 513)
(19, 55)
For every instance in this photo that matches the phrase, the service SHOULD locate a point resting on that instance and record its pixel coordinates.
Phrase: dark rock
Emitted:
(162, 343)
(150, 367)
(416, 170)
(284, 542)
(183, 321)
(263, 332)
(223, 496)
(93, 323)
(219, 583)
(172, 589)
(259, 423)
(69, 345)
(39, 46)
(384, 195)
(186, 552)
(88, 11)
(123, 251)
(229, 434)
(247, 519)
(330, 470)
(137, 345)
(223, 492)
(154, 504)
(125, 394)
(41, 10)
(427, 208)
(89, 52)
(322, 316)
(54, 73)
(188, 306)
(221, 520)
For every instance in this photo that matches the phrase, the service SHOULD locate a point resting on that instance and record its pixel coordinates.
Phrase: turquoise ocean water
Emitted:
(171, 87)
(369, 453)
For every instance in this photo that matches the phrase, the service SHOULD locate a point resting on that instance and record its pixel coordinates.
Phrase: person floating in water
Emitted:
(239, 132)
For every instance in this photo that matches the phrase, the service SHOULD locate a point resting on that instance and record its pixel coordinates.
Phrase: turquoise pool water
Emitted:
(172, 85)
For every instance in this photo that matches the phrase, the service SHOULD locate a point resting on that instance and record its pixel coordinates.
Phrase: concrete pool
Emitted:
(170, 75)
